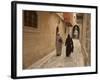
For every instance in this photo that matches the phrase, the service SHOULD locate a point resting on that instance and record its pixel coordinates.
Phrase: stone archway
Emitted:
(57, 30)
(75, 32)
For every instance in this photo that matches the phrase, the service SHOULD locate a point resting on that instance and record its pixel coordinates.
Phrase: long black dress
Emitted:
(69, 45)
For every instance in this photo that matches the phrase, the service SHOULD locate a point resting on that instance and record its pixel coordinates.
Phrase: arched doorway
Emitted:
(57, 30)
(76, 32)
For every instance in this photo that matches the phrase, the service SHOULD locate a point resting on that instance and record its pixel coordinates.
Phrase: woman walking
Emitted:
(69, 45)
(59, 42)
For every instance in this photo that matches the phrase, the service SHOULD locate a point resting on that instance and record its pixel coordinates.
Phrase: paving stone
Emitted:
(75, 59)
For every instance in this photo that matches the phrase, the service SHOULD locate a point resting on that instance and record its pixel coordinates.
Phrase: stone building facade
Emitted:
(84, 23)
(39, 40)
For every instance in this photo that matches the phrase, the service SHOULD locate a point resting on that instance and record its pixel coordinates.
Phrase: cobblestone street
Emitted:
(52, 61)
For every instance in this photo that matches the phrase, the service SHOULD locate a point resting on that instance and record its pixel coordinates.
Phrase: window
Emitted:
(30, 18)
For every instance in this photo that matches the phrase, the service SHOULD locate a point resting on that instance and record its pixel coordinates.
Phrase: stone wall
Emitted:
(85, 38)
(39, 42)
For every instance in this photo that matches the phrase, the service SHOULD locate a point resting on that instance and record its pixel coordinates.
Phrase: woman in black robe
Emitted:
(69, 45)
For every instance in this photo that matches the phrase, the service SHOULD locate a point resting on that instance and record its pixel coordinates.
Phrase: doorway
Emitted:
(76, 32)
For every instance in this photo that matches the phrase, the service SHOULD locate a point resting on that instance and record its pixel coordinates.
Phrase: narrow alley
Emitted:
(40, 39)
(52, 61)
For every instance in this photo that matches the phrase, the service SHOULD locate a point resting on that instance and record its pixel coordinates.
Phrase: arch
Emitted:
(76, 32)
(57, 29)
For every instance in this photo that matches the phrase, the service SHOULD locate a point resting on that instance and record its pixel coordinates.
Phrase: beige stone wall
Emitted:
(88, 38)
(85, 39)
(38, 42)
